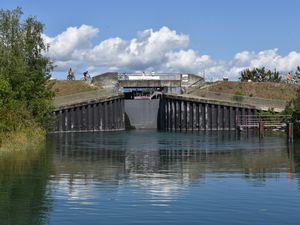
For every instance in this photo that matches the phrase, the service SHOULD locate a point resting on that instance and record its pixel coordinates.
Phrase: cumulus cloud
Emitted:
(162, 50)
(70, 42)
(267, 58)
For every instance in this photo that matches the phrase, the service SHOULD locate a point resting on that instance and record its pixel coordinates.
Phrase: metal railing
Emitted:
(271, 121)
(149, 76)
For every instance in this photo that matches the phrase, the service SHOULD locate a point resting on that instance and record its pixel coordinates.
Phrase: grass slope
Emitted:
(68, 87)
(261, 90)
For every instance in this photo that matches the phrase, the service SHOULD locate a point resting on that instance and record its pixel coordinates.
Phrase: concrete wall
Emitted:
(191, 80)
(107, 80)
(186, 114)
(142, 114)
(94, 116)
(172, 112)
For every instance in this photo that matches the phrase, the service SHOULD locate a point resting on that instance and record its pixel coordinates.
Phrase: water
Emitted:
(150, 177)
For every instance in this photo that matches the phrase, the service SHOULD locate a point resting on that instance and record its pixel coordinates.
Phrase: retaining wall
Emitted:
(94, 116)
(179, 114)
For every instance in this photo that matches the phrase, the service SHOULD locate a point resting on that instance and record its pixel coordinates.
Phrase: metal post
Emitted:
(290, 132)
(261, 129)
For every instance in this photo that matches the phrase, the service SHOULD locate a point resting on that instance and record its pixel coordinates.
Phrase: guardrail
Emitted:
(149, 76)
(269, 121)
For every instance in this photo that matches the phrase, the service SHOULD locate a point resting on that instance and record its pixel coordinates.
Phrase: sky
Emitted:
(215, 38)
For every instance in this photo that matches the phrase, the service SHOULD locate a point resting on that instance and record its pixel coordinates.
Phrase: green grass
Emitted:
(68, 87)
(25, 140)
(268, 90)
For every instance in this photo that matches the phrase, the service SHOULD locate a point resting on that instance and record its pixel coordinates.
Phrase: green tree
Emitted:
(24, 70)
(297, 75)
(293, 109)
(260, 75)
(248, 74)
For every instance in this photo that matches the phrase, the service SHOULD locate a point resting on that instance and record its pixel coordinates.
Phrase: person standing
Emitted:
(288, 77)
(71, 74)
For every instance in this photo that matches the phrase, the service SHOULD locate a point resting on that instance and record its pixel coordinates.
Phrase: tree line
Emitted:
(264, 75)
(25, 97)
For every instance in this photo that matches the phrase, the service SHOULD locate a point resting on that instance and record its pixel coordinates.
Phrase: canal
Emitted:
(151, 177)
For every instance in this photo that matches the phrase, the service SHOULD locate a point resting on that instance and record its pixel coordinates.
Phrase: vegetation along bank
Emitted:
(25, 97)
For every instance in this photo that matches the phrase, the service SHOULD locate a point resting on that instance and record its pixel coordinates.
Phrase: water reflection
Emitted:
(153, 178)
(165, 164)
(24, 198)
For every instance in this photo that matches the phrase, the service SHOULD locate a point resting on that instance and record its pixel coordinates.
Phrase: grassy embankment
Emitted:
(266, 90)
(68, 87)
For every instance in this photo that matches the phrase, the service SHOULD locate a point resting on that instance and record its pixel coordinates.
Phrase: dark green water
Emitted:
(149, 177)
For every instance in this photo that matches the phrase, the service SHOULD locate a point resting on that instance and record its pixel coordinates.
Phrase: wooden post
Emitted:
(290, 132)
(261, 129)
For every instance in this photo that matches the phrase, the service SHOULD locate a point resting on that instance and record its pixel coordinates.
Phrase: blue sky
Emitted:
(217, 29)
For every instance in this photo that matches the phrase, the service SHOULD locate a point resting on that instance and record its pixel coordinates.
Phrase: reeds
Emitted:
(26, 139)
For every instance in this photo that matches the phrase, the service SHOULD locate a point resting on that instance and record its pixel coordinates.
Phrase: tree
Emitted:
(293, 109)
(297, 75)
(24, 70)
(260, 75)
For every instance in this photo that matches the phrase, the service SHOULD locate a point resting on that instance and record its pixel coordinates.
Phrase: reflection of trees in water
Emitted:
(23, 184)
(295, 157)
(186, 157)
(160, 165)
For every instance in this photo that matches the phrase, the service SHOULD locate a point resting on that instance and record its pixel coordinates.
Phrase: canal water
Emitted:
(150, 177)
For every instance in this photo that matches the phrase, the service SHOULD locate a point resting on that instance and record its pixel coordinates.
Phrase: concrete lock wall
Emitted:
(169, 113)
(97, 116)
(141, 114)
(180, 115)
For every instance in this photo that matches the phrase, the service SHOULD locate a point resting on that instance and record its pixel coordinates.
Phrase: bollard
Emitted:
(261, 129)
(290, 132)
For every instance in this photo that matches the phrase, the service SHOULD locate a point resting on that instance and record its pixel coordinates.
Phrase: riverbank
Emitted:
(24, 140)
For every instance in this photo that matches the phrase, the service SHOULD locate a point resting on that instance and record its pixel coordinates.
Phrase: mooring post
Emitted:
(261, 129)
(290, 132)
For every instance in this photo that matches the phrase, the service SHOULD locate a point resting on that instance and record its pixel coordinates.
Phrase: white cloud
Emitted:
(267, 58)
(163, 50)
(71, 41)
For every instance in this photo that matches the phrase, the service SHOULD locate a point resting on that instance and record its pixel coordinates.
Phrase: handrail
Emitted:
(151, 76)
(268, 120)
